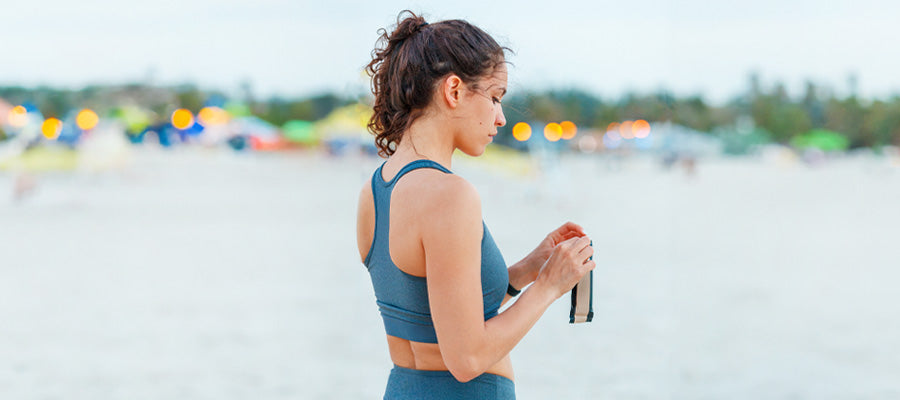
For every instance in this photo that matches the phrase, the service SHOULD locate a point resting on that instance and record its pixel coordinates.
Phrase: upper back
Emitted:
(402, 296)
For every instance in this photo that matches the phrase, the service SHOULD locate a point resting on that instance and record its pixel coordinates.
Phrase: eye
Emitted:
(496, 100)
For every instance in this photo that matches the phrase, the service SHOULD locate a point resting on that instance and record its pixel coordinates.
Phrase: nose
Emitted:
(501, 119)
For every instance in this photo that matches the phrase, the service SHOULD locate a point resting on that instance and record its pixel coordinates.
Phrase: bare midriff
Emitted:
(427, 356)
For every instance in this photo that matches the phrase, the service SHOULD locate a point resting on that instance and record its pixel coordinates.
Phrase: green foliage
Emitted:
(772, 110)
(278, 111)
(190, 97)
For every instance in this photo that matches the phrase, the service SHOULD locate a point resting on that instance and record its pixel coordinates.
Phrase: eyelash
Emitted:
(496, 100)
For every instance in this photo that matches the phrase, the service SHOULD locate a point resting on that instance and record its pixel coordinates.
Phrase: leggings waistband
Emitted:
(485, 377)
(414, 384)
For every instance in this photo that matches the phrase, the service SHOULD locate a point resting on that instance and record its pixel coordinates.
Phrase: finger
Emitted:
(582, 247)
(584, 240)
(586, 253)
(570, 242)
(569, 227)
(575, 245)
(561, 234)
(571, 234)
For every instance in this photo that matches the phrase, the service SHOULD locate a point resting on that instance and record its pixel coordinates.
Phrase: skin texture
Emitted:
(441, 238)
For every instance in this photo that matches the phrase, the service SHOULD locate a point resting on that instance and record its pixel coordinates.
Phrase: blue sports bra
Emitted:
(402, 298)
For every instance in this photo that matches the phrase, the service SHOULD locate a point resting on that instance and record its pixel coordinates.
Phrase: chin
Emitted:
(473, 152)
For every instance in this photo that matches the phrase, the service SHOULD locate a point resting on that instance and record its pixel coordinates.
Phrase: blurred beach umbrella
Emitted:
(735, 142)
(298, 131)
(821, 139)
(254, 126)
(345, 128)
(211, 116)
(30, 107)
(136, 119)
(261, 134)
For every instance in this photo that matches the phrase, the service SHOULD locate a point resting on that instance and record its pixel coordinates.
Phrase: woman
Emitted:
(439, 278)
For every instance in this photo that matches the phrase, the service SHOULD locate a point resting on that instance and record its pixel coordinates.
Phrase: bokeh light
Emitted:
(521, 131)
(587, 144)
(182, 119)
(612, 127)
(209, 116)
(553, 132)
(641, 129)
(51, 128)
(612, 139)
(18, 116)
(87, 119)
(568, 129)
(625, 130)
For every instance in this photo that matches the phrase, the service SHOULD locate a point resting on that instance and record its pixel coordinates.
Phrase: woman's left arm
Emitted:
(524, 272)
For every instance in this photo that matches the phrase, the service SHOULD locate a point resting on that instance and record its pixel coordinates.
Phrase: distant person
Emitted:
(23, 186)
(438, 276)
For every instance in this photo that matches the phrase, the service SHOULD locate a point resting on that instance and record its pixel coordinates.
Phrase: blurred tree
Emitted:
(883, 120)
(190, 97)
(847, 117)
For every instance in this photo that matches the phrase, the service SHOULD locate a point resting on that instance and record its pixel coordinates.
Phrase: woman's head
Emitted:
(408, 64)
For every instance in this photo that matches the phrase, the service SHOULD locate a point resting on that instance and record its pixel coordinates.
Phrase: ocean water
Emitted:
(205, 274)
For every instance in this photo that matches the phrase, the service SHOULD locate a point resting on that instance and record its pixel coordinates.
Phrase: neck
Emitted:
(427, 138)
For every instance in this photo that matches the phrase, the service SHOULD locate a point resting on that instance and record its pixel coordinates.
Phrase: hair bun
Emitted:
(408, 26)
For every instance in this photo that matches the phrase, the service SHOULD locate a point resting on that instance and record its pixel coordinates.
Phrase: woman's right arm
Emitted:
(452, 242)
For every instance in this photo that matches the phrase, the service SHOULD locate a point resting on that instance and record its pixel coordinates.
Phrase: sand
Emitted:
(205, 274)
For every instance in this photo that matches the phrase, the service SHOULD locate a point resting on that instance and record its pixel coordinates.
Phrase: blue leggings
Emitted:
(405, 383)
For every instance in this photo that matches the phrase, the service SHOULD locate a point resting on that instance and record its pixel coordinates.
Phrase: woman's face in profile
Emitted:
(483, 112)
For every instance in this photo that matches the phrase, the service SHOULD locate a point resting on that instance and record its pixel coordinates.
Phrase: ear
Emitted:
(451, 90)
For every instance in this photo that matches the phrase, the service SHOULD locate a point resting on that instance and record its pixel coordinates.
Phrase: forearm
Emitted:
(524, 272)
(503, 332)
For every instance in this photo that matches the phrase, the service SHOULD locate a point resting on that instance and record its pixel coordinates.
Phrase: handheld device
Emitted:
(583, 299)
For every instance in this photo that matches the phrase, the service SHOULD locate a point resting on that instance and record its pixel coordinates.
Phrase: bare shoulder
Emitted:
(365, 193)
(448, 205)
(441, 193)
(365, 220)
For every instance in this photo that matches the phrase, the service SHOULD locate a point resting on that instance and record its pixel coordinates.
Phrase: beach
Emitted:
(196, 273)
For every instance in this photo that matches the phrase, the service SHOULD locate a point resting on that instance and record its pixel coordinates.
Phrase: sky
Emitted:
(301, 48)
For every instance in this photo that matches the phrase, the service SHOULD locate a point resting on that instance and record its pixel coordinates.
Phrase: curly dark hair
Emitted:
(407, 62)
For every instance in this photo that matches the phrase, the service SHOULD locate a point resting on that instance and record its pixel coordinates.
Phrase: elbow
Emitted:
(464, 368)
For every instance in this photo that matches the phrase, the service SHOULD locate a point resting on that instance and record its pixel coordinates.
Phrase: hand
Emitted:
(568, 262)
(543, 250)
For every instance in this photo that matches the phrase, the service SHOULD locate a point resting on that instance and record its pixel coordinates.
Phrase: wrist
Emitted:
(542, 291)
(512, 291)
(520, 274)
